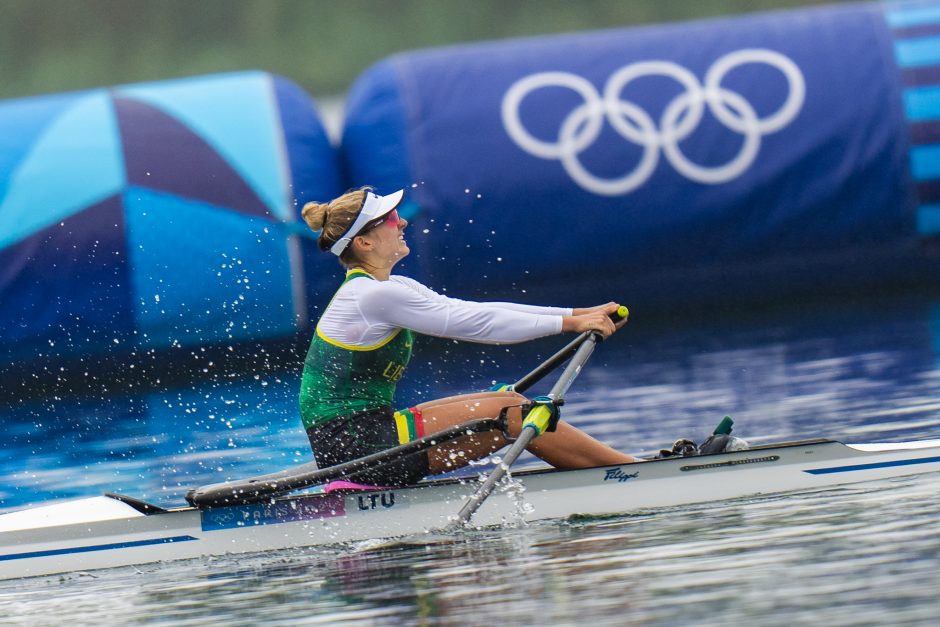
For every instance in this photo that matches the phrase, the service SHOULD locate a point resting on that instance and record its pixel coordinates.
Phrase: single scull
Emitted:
(111, 530)
(255, 514)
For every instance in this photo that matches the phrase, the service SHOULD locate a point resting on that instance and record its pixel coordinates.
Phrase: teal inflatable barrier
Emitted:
(157, 215)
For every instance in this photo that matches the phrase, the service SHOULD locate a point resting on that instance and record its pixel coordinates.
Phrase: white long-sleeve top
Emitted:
(365, 313)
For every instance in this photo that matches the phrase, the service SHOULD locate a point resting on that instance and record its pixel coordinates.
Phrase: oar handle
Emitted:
(622, 313)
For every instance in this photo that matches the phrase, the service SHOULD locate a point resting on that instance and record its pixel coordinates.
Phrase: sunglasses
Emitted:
(391, 218)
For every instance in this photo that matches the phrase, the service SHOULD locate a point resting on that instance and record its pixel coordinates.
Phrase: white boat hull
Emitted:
(75, 537)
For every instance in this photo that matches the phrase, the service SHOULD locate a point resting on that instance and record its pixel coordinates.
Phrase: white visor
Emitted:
(373, 207)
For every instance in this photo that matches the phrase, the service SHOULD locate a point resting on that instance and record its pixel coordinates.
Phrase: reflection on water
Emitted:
(859, 373)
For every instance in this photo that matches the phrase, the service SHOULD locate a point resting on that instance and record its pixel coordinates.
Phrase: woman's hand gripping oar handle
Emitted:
(560, 357)
(536, 422)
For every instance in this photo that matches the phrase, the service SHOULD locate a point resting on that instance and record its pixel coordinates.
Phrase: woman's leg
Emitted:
(567, 447)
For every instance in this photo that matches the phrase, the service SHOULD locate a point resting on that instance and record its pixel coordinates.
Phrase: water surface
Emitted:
(866, 553)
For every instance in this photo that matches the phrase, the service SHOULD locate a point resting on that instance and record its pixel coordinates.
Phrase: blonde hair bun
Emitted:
(334, 218)
(314, 214)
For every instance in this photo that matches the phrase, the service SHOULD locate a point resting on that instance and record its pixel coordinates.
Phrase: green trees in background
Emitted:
(61, 45)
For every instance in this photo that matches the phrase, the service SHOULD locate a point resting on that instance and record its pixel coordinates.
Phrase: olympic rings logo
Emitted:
(679, 119)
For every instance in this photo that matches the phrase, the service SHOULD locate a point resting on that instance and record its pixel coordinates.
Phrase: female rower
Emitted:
(363, 343)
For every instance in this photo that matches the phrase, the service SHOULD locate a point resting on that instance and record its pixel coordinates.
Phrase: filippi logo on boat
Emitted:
(680, 118)
(617, 474)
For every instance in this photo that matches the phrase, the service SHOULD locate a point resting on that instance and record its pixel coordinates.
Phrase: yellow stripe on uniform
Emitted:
(401, 425)
(357, 271)
(350, 347)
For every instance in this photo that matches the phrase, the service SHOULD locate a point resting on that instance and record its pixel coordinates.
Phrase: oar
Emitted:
(535, 423)
(561, 356)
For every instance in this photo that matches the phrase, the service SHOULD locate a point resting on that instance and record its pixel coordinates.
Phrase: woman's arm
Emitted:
(533, 309)
(406, 303)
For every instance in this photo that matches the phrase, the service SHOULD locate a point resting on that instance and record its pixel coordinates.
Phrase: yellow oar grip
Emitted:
(539, 417)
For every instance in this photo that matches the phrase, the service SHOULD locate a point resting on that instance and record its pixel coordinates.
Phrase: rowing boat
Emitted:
(115, 530)
(257, 514)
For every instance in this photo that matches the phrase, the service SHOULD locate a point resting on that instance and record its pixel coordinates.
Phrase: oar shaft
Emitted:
(472, 504)
(550, 364)
(529, 432)
(573, 369)
(559, 358)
